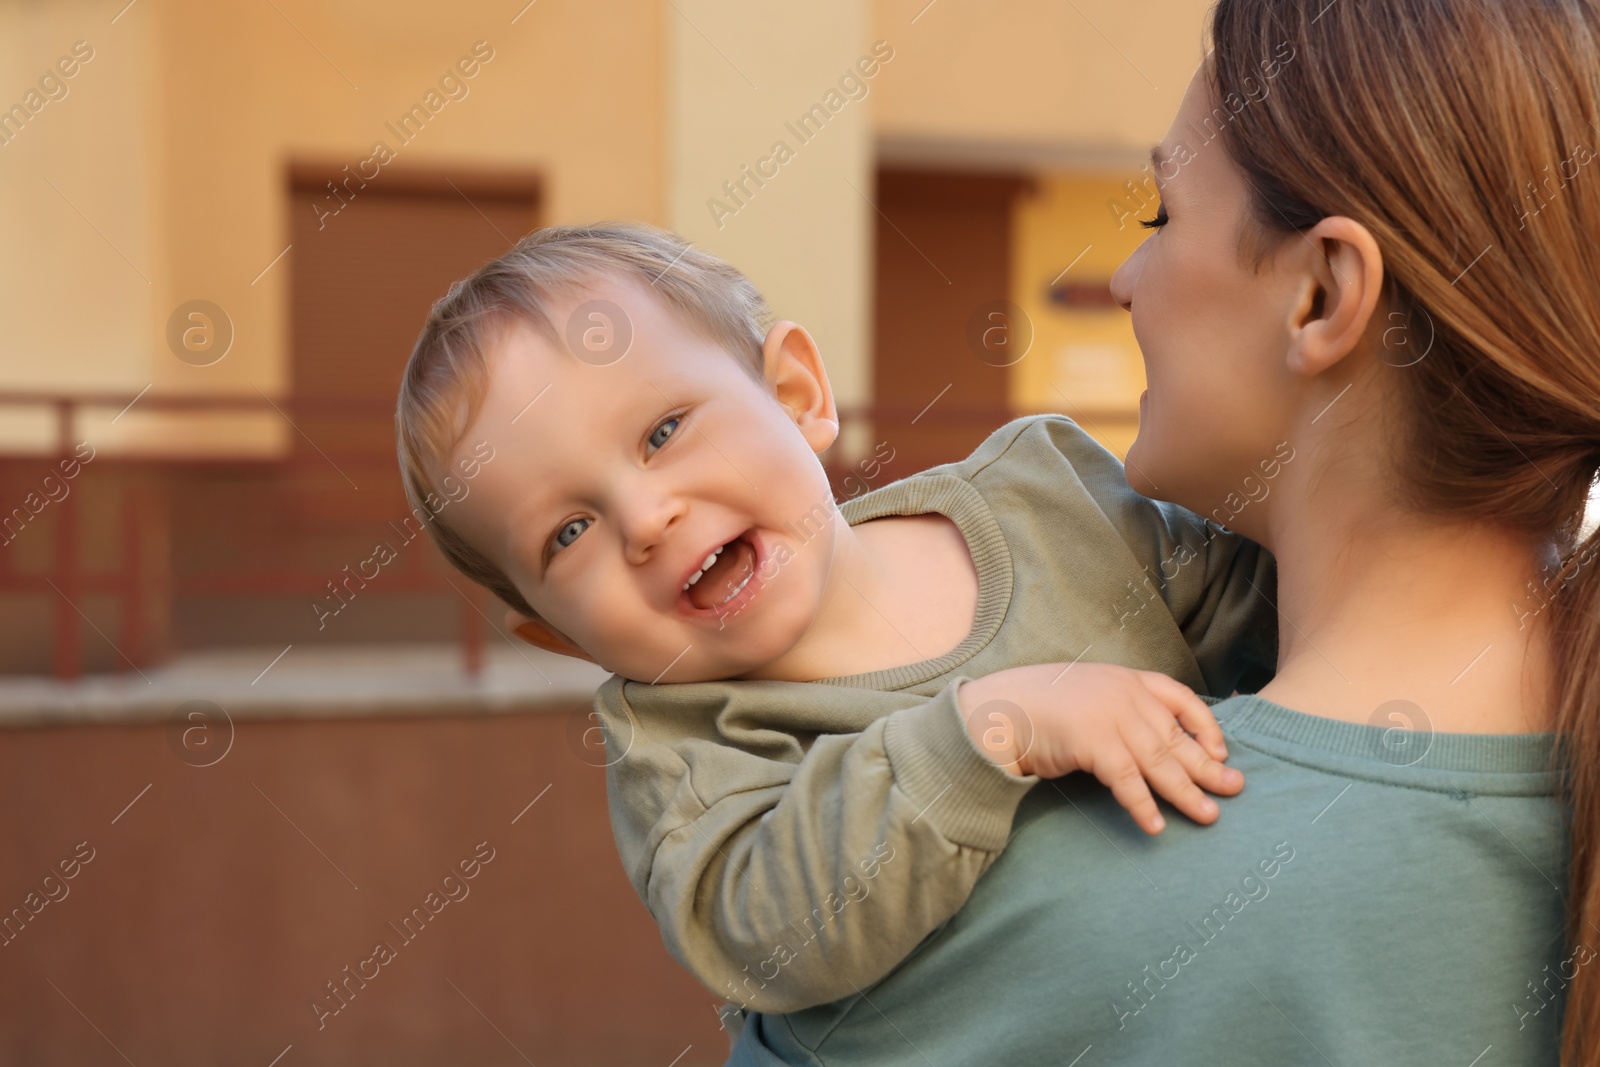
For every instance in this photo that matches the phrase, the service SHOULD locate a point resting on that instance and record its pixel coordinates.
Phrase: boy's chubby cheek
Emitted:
(620, 638)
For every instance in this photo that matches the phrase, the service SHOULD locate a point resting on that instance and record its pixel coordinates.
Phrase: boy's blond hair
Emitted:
(446, 377)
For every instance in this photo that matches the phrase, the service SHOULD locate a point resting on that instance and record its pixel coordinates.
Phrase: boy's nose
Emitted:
(648, 523)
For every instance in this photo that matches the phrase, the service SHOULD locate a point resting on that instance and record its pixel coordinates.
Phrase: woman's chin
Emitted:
(1137, 468)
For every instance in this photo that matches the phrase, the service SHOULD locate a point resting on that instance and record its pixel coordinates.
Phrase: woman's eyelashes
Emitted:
(1159, 221)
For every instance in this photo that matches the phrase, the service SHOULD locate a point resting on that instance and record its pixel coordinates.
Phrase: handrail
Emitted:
(69, 580)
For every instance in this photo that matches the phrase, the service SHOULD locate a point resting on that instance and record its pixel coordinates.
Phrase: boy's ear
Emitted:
(793, 370)
(540, 635)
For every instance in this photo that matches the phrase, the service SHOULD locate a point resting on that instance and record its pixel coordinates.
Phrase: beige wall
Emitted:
(1032, 86)
(1093, 81)
(80, 263)
(738, 81)
(172, 143)
(174, 140)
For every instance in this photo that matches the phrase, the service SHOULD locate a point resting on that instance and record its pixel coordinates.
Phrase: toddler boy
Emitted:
(822, 718)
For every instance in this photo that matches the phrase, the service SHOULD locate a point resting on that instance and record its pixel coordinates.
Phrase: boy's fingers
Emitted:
(1197, 718)
(1199, 766)
(1170, 761)
(1121, 774)
(1195, 714)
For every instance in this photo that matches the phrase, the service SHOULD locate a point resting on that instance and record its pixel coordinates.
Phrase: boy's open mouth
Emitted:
(723, 575)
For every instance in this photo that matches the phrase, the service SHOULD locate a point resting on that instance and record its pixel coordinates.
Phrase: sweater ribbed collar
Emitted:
(957, 500)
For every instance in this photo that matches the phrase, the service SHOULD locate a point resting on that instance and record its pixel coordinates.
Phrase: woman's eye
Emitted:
(664, 431)
(569, 533)
(1159, 221)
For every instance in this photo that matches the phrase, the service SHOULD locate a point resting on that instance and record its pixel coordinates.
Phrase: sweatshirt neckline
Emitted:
(957, 500)
(1506, 763)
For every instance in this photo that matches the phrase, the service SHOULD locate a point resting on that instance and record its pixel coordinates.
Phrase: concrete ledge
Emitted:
(308, 682)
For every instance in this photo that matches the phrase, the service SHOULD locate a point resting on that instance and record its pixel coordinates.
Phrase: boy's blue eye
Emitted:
(569, 533)
(664, 431)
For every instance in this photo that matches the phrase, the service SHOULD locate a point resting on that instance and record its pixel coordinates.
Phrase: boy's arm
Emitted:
(1228, 612)
(1220, 587)
(799, 876)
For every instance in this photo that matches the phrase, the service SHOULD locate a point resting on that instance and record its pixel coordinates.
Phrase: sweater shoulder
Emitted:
(1049, 466)
(1034, 446)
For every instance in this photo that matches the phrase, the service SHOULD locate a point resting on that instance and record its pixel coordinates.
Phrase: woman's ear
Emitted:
(1340, 291)
(792, 368)
(537, 633)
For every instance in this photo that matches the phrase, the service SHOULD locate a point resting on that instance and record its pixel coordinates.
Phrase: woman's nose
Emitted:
(1126, 278)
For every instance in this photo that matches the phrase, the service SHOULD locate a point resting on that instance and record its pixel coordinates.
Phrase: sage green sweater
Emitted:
(796, 840)
(1362, 902)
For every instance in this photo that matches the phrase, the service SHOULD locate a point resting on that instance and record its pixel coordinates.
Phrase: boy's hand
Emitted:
(1121, 725)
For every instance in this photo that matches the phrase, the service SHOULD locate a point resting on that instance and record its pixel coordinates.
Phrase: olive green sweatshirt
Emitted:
(797, 840)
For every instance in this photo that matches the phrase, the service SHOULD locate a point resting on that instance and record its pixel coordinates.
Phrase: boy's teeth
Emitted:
(739, 588)
(726, 580)
(712, 558)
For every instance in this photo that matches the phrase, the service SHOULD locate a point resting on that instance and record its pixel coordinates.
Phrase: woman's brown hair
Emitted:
(1461, 134)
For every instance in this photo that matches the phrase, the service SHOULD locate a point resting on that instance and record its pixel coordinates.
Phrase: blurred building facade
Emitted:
(238, 215)
(227, 222)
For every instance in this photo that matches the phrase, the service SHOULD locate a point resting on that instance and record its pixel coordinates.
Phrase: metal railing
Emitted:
(138, 587)
(134, 584)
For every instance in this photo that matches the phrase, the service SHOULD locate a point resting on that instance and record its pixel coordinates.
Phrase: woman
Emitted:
(1370, 316)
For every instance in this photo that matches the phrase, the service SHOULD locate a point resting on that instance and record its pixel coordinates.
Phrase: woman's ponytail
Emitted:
(1574, 608)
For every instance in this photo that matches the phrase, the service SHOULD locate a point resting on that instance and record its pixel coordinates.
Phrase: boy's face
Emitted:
(614, 484)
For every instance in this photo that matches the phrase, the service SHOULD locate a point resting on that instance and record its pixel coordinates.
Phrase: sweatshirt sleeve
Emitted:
(1229, 615)
(1219, 587)
(803, 873)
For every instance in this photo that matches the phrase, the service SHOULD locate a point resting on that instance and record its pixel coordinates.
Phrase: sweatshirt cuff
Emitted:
(967, 797)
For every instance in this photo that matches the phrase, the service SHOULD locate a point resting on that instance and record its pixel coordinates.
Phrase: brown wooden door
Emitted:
(361, 284)
(943, 277)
